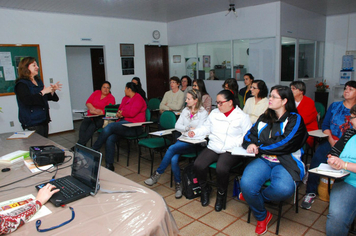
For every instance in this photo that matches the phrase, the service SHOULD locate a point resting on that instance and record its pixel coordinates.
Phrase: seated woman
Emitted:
(193, 116)
(185, 85)
(132, 110)
(226, 127)
(212, 75)
(198, 84)
(306, 108)
(342, 197)
(245, 92)
(336, 122)
(232, 85)
(96, 104)
(137, 81)
(277, 139)
(258, 104)
(9, 222)
(173, 100)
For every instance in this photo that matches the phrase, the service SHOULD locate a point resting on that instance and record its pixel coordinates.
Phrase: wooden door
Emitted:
(157, 70)
(97, 67)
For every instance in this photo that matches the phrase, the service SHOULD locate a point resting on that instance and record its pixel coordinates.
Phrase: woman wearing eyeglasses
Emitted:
(258, 104)
(276, 139)
(226, 127)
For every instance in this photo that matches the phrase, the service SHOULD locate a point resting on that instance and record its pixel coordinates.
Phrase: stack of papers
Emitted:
(21, 134)
(32, 167)
(328, 168)
(15, 156)
(240, 151)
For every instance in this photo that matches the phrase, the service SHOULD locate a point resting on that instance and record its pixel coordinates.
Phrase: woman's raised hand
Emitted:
(56, 86)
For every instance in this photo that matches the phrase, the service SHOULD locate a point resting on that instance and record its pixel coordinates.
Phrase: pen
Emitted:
(19, 133)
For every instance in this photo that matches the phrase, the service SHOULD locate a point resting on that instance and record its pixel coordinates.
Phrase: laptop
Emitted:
(84, 179)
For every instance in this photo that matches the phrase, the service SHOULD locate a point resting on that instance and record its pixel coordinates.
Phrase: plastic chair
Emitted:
(167, 121)
(153, 106)
(321, 111)
(137, 137)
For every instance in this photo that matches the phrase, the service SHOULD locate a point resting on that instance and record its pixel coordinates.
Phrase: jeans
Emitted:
(88, 127)
(172, 157)
(255, 175)
(319, 157)
(342, 209)
(110, 135)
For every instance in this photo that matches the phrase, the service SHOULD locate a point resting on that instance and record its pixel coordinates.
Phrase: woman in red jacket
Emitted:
(306, 108)
(132, 110)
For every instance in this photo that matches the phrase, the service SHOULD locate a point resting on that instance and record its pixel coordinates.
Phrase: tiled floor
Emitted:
(193, 219)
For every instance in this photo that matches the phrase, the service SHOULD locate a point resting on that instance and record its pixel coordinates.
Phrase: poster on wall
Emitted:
(206, 63)
(191, 66)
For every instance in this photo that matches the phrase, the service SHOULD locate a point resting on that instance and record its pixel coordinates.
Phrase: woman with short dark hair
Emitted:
(245, 92)
(257, 105)
(96, 104)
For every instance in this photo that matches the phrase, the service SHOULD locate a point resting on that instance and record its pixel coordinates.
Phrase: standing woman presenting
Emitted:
(32, 97)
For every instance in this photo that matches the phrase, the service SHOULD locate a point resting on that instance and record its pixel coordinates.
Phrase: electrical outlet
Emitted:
(12, 124)
(51, 80)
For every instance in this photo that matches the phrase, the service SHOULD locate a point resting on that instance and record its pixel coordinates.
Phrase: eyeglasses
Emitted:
(220, 103)
(352, 117)
(194, 85)
(253, 87)
(274, 97)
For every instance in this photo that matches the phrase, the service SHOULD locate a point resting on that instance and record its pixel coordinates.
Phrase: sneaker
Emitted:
(178, 190)
(261, 227)
(153, 180)
(241, 197)
(308, 201)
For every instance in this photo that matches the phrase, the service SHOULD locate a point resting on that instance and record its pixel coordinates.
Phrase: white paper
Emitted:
(240, 151)
(21, 134)
(5, 59)
(9, 73)
(15, 156)
(328, 168)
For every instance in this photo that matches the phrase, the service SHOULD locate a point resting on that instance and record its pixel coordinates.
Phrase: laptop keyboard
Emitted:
(67, 188)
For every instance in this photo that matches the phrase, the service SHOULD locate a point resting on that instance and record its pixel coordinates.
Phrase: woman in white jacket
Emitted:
(192, 116)
(226, 127)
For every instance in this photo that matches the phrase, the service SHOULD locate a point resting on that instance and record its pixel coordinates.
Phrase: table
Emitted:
(142, 213)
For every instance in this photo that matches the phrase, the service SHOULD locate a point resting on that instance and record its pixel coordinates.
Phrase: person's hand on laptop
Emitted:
(45, 193)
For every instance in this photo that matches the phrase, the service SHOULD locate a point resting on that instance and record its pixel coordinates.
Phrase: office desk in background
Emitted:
(142, 213)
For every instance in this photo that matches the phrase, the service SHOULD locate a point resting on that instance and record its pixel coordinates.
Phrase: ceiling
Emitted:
(166, 10)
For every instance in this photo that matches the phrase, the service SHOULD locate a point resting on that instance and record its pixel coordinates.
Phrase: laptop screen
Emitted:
(86, 166)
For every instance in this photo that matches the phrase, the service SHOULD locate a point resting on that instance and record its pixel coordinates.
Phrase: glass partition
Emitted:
(319, 67)
(241, 58)
(288, 59)
(179, 56)
(306, 59)
(215, 56)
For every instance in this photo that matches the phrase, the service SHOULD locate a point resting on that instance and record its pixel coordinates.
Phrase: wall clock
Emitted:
(156, 34)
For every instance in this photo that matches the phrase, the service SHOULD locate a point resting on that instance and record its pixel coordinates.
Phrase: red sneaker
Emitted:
(261, 227)
(241, 197)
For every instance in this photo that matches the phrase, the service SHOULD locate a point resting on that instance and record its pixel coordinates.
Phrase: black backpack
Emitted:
(191, 187)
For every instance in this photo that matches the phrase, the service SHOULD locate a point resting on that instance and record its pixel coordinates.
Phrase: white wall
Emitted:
(340, 37)
(53, 32)
(79, 74)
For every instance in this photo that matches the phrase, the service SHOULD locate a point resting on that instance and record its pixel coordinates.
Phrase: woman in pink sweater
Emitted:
(132, 110)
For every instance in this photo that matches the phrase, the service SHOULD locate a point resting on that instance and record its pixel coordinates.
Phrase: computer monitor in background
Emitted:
(201, 74)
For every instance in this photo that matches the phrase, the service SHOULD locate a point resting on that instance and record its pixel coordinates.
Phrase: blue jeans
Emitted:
(342, 209)
(110, 135)
(255, 175)
(319, 157)
(172, 157)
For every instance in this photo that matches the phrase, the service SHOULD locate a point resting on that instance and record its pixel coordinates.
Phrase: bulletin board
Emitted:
(10, 57)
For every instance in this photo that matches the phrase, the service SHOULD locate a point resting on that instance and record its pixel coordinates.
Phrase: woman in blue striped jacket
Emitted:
(277, 139)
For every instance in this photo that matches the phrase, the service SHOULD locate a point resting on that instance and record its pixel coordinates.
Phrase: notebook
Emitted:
(84, 179)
